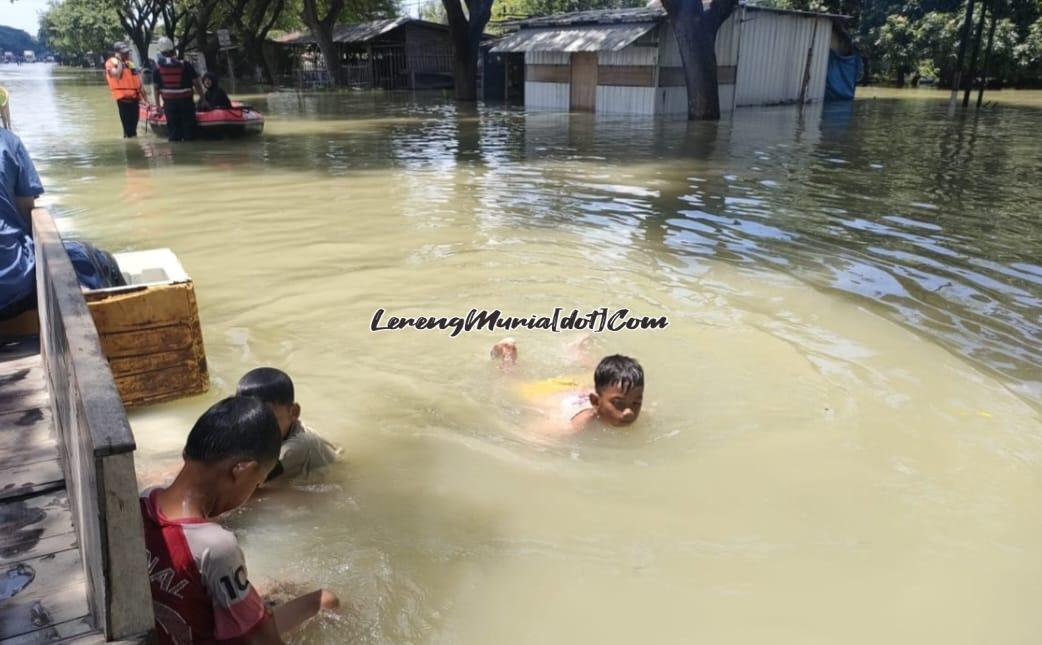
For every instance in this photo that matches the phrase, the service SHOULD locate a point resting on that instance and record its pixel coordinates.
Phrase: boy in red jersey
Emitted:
(200, 590)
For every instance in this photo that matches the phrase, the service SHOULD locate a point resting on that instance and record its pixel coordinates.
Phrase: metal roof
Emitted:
(652, 14)
(584, 38)
(358, 32)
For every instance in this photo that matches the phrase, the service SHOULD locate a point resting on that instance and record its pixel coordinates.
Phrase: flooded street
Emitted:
(840, 441)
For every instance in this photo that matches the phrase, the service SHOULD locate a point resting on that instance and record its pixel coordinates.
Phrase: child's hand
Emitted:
(328, 600)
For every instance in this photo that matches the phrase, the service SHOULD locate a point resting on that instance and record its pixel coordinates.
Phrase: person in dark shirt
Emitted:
(214, 97)
(174, 81)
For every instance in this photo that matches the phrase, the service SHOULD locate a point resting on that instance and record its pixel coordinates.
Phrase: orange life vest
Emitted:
(128, 85)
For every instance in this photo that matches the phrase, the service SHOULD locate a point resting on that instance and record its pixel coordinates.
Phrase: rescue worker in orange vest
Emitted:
(124, 81)
(174, 80)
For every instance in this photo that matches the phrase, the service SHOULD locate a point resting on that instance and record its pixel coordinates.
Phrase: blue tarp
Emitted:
(842, 77)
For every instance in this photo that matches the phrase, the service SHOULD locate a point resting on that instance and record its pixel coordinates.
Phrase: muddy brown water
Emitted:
(841, 439)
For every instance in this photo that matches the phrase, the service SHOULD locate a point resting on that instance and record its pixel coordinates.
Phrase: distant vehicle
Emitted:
(8, 57)
(29, 56)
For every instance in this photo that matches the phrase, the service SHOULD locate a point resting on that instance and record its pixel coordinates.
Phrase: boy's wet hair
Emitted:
(267, 384)
(238, 427)
(618, 370)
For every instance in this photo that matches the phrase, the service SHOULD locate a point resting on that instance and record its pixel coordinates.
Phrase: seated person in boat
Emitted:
(614, 401)
(19, 187)
(214, 97)
(197, 573)
(303, 452)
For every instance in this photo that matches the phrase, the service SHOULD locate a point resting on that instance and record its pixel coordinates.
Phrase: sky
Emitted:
(21, 14)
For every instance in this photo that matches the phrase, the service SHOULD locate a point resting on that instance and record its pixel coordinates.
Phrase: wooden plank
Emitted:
(146, 341)
(15, 363)
(133, 365)
(626, 75)
(78, 631)
(548, 73)
(31, 478)
(35, 526)
(584, 82)
(24, 396)
(124, 525)
(161, 385)
(57, 594)
(39, 445)
(18, 347)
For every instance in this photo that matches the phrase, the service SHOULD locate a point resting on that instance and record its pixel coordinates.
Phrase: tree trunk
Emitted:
(695, 29)
(330, 55)
(974, 55)
(961, 58)
(465, 69)
(699, 58)
(322, 29)
(466, 30)
(987, 58)
(141, 45)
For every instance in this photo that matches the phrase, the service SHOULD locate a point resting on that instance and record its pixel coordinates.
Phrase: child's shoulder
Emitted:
(212, 540)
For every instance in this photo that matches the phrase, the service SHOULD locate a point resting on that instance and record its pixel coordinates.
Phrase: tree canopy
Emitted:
(16, 40)
(920, 38)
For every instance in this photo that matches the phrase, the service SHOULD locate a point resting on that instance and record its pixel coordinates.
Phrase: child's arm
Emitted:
(265, 633)
(290, 615)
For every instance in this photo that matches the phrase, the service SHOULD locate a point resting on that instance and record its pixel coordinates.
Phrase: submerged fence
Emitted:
(388, 69)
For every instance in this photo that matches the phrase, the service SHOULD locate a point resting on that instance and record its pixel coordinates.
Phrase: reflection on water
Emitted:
(830, 449)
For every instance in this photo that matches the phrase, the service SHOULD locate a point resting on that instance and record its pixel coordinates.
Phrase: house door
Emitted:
(584, 81)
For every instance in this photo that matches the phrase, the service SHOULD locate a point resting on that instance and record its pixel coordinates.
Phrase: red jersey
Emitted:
(200, 591)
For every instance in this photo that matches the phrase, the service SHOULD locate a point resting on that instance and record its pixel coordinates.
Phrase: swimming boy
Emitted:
(615, 401)
(200, 589)
(303, 451)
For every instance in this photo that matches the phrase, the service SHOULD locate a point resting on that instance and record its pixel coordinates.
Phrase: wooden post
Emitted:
(372, 68)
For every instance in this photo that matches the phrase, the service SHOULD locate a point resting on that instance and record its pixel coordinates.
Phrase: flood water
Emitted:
(841, 439)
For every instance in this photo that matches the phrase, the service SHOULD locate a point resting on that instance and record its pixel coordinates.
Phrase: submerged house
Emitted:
(398, 53)
(626, 61)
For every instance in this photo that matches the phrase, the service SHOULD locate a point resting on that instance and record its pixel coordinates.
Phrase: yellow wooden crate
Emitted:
(150, 330)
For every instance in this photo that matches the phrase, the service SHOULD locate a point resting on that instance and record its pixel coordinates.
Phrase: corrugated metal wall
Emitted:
(617, 99)
(632, 55)
(553, 96)
(773, 57)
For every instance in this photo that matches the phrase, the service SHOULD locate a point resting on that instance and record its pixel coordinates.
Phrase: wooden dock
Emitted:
(72, 557)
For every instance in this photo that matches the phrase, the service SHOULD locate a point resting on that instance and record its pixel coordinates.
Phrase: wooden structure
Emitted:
(72, 553)
(149, 330)
(626, 61)
(393, 54)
